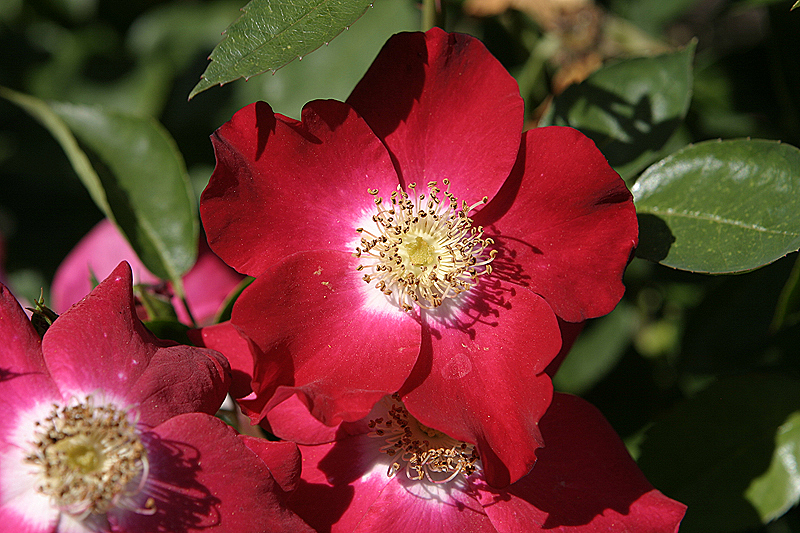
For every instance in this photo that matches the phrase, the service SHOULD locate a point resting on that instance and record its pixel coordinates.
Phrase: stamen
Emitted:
(427, 454)
(424, 249)
(90, 459)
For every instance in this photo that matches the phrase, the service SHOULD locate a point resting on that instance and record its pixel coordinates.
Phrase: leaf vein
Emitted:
(718, 219)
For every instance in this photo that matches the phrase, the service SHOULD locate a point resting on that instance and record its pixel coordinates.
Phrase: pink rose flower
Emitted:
(104, 427)
(207, 284)
(389, 473)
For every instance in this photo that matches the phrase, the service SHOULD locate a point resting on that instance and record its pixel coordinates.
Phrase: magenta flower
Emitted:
(388, 473)
(105, 428)
(414, 239)
(207, 284)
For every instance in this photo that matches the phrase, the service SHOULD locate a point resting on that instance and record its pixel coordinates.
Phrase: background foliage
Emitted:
(688, 100)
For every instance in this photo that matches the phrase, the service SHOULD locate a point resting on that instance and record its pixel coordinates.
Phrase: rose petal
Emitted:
(564, 223)
(345, 489)
(448, 509)
(99, 345)
(282, 186)
(229, 341)
(569, 334)
(584, 482)
(24, 377)
(22, 507)
(311, 316)
(97, 254)
(203, 475)
(282, 459)
(180, 379)
(480, 378)
(445, 108)
(291, 420)
(207, 286)
(339, 482)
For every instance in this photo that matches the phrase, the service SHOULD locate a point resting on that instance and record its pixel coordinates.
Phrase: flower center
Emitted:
(90, 459)
(427, 453)
(425, 248)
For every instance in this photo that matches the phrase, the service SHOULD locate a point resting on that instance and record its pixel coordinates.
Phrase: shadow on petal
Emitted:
(181, 502)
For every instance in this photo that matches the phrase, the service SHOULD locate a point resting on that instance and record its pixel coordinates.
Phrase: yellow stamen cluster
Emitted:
(425, 248)
(428, 454)
(90, 458)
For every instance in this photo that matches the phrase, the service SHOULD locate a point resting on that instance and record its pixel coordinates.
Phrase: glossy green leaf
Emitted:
(134, 173)
(796, 4)
(729, 453)
(597, 350)
(630, 109)
(271, 33)
(332, 71)
(721, 206)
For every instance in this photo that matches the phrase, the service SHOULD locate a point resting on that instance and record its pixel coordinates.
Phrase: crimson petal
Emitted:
(100, 345)
(282, 186)
(566, 220)
(584, 482)
(445, 108)
(321, 337)
(203, 475)
(228, 340)
(24, 378)
(481, 379)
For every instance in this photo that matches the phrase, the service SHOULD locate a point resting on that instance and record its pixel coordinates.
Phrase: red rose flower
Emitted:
(414, 239)
(104, 428)
(389, 473)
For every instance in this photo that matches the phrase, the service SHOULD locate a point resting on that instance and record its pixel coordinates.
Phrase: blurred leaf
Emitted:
(630, 109)
(729, 206)
(721, 452)
(89, 66)
(796, 4)
(135, 175)
(778, 489)
(597, 350)
(178, 31)
(651, 15)
(332, 71)
(271, 33)
(755, 3)
(787, 312)
(729, 332)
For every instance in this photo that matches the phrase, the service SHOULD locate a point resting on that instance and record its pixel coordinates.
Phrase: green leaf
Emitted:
(778, 489)
(134, 173)
(630, 109)
(169, 330)
(743, 4)
(332, 71)
(651, 15)
(721, 206)
(271, 33)
(597, 350)
(729, 453)
(787, 311)
(157, 306)
(796, 4)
